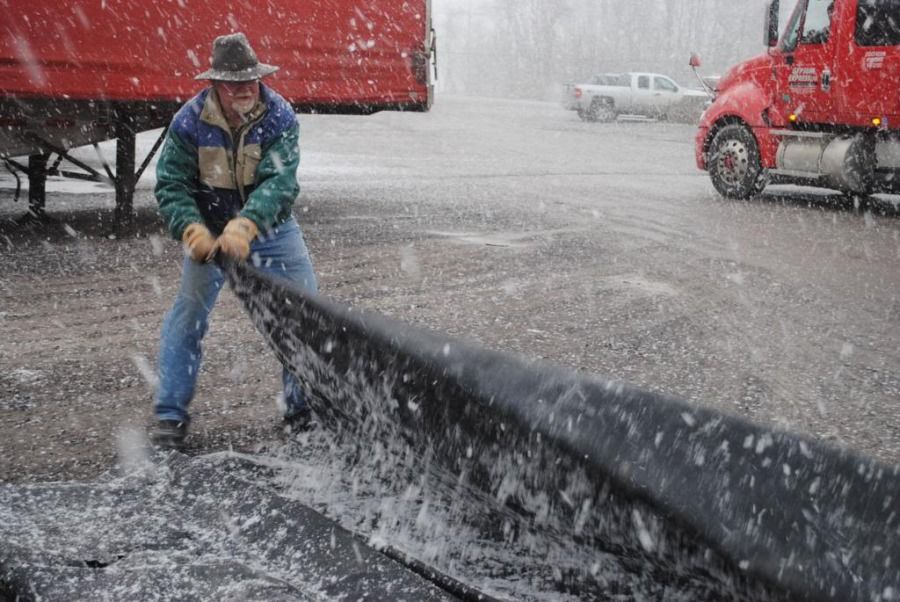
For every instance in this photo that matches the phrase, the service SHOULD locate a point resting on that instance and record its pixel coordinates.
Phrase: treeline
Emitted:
(528, 48)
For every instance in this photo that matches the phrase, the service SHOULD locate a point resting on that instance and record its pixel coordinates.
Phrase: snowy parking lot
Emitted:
(598, 247)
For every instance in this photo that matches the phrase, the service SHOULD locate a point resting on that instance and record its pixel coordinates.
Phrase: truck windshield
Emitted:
(817, 25)
(810, 23)
(878, 23)
(792, 31)
(664, 84)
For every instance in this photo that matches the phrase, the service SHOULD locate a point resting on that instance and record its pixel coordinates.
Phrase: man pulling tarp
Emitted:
(226, 185)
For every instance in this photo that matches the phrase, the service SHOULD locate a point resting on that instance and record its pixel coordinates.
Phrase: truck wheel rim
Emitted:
(733, 162)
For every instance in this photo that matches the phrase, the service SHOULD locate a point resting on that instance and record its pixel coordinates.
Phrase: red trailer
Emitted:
(80, 72)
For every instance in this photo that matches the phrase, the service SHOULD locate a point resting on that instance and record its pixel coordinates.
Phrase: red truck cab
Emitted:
(821, 107)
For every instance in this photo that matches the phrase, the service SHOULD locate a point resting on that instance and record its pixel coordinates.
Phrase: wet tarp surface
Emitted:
(711, 506)
(518, 479)
(185, 529)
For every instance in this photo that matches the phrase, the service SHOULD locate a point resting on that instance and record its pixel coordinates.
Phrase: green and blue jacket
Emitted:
(210, 174)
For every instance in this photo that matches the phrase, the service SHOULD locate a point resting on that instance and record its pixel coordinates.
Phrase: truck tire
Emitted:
(734, 163)
(601, 110)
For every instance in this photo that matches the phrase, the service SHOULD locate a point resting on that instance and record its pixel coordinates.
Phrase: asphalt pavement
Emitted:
(603, 248)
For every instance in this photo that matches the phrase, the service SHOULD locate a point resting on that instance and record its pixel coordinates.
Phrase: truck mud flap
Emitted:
(680, 496)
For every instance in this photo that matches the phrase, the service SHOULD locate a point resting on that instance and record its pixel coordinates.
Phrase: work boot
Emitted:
(300, 421)
(169, 435)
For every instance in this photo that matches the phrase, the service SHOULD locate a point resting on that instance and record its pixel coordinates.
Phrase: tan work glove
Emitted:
(236, 238)
(199, 242)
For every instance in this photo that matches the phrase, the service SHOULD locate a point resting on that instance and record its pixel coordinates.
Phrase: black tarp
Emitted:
(186, 529)
(686, 495)
(486, 471)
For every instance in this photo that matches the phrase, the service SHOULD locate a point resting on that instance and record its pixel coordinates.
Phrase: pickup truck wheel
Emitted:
(601, 110)
(734, 163)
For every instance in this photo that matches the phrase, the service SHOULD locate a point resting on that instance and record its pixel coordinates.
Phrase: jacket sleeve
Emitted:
(176, 184)
(276, 177)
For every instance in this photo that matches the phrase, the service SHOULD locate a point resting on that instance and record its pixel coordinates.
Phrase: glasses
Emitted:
(237, 86)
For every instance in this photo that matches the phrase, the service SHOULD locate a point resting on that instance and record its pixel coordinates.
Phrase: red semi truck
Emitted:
(80, 72)
(820, 108)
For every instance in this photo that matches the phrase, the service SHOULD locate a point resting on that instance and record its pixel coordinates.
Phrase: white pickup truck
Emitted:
(609, 95)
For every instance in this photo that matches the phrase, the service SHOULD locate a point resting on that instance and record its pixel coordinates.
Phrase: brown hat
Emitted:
(233, 60)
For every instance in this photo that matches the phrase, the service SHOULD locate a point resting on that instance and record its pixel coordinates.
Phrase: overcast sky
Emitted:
(529, 48)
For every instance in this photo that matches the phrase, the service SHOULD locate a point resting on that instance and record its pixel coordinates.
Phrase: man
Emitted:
(226, 184)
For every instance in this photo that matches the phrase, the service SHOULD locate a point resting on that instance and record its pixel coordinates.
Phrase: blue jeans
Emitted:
(280, 253)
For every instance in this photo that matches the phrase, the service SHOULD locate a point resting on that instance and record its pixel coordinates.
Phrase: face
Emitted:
(237, 97)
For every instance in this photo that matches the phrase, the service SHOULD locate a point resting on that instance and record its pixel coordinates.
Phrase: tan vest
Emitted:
(235, 169)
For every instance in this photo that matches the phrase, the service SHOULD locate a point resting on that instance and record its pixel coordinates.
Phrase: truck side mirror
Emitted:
(771, 39)
(695, 60)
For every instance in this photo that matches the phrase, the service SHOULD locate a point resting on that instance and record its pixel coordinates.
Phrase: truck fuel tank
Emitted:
(887, 154)
(843, 162)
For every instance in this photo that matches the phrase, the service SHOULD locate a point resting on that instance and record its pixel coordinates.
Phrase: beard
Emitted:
(243, 107)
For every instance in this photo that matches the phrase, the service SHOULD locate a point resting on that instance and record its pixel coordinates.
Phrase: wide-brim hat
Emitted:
(233, 60)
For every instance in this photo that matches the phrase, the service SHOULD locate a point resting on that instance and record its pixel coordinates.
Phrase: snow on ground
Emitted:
(598, 247)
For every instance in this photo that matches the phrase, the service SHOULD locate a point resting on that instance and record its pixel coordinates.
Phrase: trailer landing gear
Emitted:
(123, 180)
(37, 186)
